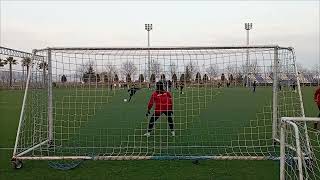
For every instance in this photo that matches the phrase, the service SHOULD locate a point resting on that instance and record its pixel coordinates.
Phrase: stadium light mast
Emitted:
(247, 27)
(148, 28)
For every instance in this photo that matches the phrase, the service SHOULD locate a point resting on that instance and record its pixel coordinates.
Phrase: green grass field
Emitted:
(229, 111)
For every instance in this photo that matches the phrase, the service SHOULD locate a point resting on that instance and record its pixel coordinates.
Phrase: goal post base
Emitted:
(29, 150)
(150, 158)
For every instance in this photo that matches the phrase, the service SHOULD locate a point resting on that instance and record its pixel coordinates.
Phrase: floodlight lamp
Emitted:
(148, 27)
(248, 26)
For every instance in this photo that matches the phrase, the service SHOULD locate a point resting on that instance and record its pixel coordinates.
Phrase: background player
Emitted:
(163, 105)
(181, 87)
(254, 85)
(132, 91)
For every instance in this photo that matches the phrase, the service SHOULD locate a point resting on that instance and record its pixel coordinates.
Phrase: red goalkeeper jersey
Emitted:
(162, 100)
(317, 96)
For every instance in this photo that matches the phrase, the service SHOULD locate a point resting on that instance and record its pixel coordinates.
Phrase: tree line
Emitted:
(128, 70)
(26, 64)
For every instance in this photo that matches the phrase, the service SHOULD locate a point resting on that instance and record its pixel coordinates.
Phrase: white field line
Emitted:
(6, 148)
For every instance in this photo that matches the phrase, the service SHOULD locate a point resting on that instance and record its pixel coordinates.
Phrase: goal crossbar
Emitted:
(168, 48)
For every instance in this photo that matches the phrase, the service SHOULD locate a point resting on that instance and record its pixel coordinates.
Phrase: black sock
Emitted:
(153, 119)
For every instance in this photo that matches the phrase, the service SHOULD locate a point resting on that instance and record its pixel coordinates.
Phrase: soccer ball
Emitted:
(125, 100)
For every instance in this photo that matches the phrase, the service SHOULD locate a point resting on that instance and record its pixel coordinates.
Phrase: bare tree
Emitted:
(191, 68)
(315, 72)
(3, 76)
(231, 69)
(243, 69)
(85, 69)
(212, 70)
(79, 72)
(254, 68)
(128, 69)
(155, 68)
(2, 73)
(110, 72)
(89, 73)
(239, 77)
(302, 69)
(173, 69)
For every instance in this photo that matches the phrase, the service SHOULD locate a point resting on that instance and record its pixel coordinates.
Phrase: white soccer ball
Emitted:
(125, 100)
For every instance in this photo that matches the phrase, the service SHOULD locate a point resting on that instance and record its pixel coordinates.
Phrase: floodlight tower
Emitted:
(148, 28)
(247, 27)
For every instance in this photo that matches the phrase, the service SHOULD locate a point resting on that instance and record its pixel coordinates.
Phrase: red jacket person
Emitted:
(162, 100)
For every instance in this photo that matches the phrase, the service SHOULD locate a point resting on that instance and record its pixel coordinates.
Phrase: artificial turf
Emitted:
(228, 111)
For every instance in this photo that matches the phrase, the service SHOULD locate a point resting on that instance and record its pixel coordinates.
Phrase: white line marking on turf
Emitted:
(5, 148)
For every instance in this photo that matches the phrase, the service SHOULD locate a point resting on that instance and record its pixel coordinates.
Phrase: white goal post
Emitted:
(299, 148)
(73, 103)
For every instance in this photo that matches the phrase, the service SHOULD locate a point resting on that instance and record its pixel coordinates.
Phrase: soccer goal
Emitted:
(227, 103)
(300, 148)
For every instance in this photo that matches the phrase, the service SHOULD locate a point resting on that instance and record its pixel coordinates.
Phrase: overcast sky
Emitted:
(28, 25)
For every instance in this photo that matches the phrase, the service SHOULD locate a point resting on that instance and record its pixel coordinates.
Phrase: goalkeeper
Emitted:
(132, 91)
(163, 105)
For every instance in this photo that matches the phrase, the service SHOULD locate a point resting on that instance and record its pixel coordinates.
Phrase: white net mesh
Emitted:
(222, 102)
(302, 150)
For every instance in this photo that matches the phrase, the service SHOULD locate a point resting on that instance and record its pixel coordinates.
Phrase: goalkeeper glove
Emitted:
(148, 112)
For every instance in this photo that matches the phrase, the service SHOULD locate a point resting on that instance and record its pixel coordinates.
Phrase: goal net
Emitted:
(227, 103)
(300, 148)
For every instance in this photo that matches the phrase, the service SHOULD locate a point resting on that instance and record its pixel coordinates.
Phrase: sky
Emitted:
(27, 25)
